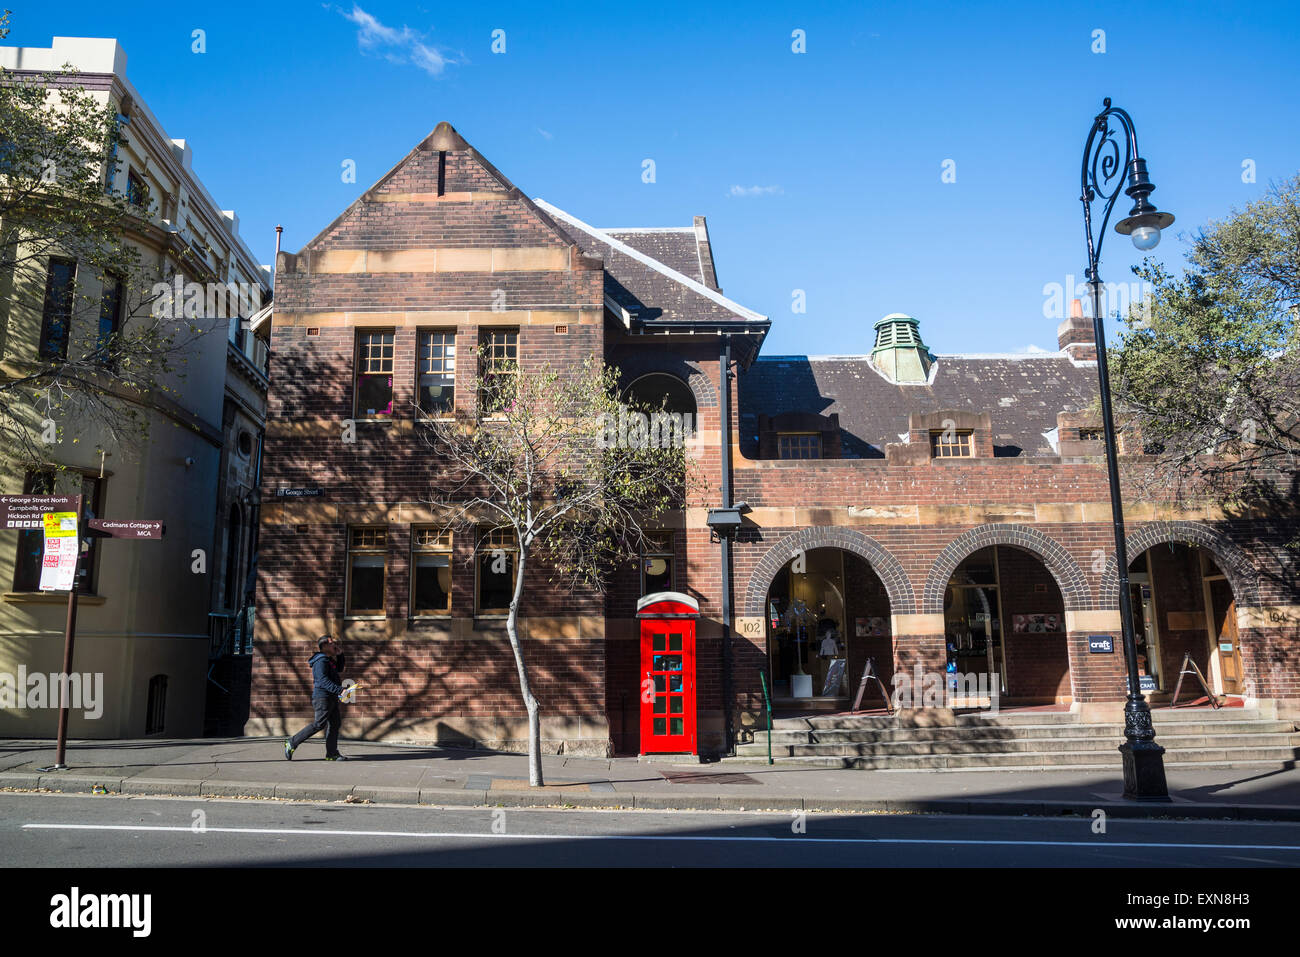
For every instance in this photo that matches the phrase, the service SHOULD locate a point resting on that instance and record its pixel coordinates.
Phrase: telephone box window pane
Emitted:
(659, 684)
(675, 683)
(660, 726)
(658, 643)
(676, 726)
(676, 706)
(659, 706)
(674, 642)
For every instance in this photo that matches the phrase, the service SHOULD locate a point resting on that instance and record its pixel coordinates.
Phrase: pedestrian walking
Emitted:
(326, 666)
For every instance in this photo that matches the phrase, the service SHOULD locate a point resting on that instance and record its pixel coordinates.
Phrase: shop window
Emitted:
(496, 565)
(367, 558)
(498, 367)
(374, 386)
(799, 445)
(92, 492)
(437, 373)
(657, 563)
(950, 444)
(56, 319)
(430, 572)
(31, 542)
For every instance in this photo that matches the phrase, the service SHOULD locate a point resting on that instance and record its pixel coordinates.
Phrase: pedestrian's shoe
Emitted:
(288, 749)
(335, 757)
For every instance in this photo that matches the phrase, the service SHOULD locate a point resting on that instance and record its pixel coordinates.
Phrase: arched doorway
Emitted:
(826, 612)
(1184, 608)
(1004, 627)
(660, 390)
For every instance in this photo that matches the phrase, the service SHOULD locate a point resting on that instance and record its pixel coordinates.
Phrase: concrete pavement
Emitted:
(410, 774)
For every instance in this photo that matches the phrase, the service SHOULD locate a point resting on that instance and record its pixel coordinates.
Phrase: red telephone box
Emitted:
(667, 685)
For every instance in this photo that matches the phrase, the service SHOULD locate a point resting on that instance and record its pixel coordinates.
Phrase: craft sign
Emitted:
(1101, 645)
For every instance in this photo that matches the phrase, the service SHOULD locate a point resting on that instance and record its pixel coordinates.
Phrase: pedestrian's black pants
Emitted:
(327, 720)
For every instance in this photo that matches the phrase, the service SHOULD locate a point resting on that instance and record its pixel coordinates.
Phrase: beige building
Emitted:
(145, 617)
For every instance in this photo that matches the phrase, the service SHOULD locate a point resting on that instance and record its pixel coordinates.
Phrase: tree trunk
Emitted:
(530, 702)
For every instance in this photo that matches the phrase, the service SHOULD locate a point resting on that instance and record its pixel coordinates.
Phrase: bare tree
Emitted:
(571, 475)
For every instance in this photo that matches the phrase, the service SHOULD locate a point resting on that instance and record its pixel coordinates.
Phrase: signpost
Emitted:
(60, 517)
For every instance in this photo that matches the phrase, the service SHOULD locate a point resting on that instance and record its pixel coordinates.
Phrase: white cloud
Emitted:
(743, 191)
(548, 135)
(1031, 349)
(396, 45)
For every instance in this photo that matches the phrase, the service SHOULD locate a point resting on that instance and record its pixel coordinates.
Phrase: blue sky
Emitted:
(819, 171)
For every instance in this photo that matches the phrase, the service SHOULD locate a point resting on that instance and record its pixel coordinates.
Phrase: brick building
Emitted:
(918, 509)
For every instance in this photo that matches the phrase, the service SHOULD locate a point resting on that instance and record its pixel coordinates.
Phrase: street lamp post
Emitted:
(1111, 157)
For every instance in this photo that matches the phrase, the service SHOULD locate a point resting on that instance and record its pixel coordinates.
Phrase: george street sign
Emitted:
(28, 511)
(299, 492)
(118, 528)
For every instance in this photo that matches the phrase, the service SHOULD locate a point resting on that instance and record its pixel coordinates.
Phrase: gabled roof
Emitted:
(1021, 393)
(443, 138)
(645, 287)
(685, 249)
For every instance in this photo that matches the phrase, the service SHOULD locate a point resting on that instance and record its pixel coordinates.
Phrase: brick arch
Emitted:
(1236, 566)
(691, 373)
(888, 568)
(1069, 577)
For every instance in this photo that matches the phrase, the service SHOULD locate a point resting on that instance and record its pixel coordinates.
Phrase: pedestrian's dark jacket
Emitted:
(325, 675)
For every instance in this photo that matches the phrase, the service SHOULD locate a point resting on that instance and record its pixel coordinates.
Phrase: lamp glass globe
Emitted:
(1146, 237)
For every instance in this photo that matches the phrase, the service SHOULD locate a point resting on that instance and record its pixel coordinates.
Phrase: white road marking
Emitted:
(443, 835)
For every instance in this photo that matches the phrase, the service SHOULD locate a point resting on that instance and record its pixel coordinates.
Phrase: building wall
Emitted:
(440, 243)
(148, 615)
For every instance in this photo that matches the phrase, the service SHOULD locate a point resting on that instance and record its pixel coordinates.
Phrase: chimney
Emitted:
(899, 353)
(1075, 336)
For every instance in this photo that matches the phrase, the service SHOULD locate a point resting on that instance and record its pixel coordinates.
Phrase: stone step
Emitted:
(1031, 745)
(823, 735)
(1102, 759)
(1110, 764)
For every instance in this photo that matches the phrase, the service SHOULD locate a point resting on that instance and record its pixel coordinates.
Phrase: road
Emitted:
(72, 831)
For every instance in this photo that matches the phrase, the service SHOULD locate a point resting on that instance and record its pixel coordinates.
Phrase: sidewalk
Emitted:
(410, 774)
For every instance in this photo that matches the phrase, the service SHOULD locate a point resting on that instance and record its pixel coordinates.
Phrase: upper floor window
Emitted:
(137, 190)
(657, 563)
(1091, 435)
(499, 364)
(374, 386)
(950, 444)
(56, 319)
(367, 560)
(799, 446)
(430, 572)
(437, 372)
(110, 313)
(497, 551)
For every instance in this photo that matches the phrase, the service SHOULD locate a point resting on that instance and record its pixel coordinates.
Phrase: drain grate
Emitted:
(698, 777)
